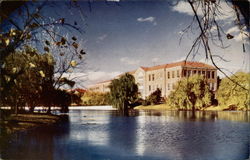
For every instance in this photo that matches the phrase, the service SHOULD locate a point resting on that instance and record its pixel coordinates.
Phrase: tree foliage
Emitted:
(95, 98)
(27, 75)
(230, 93)
(155, 97)
(123, 92)
(190, 93)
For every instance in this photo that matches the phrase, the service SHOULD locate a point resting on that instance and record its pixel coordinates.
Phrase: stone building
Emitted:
(165, 77)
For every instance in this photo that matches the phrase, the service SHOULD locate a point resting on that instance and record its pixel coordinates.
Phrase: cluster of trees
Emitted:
(190, 93)
(94, 99)
(193, 93)
(29, 81)
(36, 53)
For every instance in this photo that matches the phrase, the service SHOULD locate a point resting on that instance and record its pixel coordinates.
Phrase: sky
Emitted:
(120, 36)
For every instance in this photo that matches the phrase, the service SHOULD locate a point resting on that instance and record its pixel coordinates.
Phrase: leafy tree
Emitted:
(155, 97)
(190, 93)
(123, 92)
(28, 75)
(23, 23)
(230, 93)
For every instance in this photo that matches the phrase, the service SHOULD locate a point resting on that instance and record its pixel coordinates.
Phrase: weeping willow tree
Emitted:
(230, 93)
(123, 92)
(191, 93)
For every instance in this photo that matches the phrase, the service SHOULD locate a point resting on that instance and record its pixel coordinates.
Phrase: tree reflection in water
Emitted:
(142, 135)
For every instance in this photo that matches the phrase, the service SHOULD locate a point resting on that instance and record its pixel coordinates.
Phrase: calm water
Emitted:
(167, 135)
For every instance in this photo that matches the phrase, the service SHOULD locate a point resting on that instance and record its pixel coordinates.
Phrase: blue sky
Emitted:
(125, 35)
(120, 36)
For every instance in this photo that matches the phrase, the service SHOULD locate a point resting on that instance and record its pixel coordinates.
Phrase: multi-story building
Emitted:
(165, 77)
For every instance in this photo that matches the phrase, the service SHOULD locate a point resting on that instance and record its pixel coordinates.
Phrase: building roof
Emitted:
(181, 63)
(163, 66)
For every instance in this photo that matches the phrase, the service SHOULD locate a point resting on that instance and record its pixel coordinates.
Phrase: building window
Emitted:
(149, 88)
(178, 73)
(172, 74)
(212, 87)
(203, 73)
(189, 73)
(149, 77)
(199, 72)
(153, 77)
(212, 74)
(168, 75)
(184, 73)
(208, 74)
(194, 71)
(169, 87)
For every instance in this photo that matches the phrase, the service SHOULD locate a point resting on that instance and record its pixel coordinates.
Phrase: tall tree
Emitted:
(190, 93)
(27, 75)
(123, 92)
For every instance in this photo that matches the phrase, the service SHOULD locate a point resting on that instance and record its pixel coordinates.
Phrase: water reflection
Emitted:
(144, 135)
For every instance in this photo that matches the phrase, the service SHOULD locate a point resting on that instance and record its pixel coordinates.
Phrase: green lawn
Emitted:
(166, 107)
(155, 107)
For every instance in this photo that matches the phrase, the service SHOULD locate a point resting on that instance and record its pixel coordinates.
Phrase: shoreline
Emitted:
(23, 122)
(168, 108)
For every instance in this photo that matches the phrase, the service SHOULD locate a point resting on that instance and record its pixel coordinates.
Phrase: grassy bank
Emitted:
(155, 107)
(21, 122)
(166, 107)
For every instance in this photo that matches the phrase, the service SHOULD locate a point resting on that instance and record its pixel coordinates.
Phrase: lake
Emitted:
(145, 135)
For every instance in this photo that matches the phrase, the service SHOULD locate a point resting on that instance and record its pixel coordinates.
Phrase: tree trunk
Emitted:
(49, 110)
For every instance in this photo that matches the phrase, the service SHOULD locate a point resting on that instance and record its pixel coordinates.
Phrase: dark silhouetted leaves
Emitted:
(47, 43)
(33, 25)
(74, 44)
(46, 49)
(63, 41)
(229, 36)
(82, 52)
(62, 20)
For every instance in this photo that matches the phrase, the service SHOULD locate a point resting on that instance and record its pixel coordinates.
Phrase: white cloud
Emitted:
(155, 60)
(242, 36)
(129, 61)
(90, 77)
(183, 7)
(180, 59)
(239, 35)
(102, 37)
(226, 12)
(233, 29)
(147, 19)
(98, 76)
